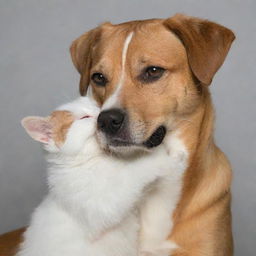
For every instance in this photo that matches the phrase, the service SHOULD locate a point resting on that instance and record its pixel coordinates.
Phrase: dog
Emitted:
(151, 79)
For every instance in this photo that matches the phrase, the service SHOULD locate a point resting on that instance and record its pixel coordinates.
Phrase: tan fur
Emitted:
(9, 242)
(206, 43)
(60, 121)
(202, 218)
(191, 50)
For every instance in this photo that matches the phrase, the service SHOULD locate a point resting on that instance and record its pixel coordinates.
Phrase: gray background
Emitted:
(37, 74)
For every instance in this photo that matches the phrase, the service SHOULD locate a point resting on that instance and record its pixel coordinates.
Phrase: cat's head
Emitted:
(67, 129)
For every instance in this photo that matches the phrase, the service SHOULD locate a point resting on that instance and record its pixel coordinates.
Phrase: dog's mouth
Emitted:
(154, 140)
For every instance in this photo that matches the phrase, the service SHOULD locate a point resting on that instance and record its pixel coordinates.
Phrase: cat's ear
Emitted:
(38, 128)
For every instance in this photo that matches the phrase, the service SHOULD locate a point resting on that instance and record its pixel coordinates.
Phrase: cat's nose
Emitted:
(110, 121)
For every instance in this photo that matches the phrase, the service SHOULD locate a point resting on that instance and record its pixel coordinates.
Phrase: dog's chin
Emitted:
(121, 147)
(127, 151)
(129, 148)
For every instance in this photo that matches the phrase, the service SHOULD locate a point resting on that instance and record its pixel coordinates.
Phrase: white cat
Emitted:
(91, 206)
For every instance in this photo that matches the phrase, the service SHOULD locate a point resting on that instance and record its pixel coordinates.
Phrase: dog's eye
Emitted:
(151, 74)
(99, 79)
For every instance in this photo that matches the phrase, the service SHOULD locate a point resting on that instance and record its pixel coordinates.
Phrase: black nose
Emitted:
(110, 121)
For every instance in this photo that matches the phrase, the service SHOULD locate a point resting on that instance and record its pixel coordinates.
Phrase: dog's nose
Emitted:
(110, 121)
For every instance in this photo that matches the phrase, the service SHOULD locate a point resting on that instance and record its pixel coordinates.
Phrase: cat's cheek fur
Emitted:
(76, 137)
(51, 147)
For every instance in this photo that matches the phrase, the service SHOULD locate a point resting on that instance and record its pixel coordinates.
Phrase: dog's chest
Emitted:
(161, 200)
(120, 240)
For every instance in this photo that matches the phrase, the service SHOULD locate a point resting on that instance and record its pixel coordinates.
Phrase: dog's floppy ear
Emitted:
(206, 43)
(81, 54)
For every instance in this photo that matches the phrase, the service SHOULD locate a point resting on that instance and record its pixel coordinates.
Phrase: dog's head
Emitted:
(148, 75)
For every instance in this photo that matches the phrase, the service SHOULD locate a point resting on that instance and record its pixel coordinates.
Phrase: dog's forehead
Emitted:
(151, 41)
(108, 51)
(156, 44)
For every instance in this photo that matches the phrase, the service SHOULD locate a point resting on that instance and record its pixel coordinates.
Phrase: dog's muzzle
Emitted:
(114, 124)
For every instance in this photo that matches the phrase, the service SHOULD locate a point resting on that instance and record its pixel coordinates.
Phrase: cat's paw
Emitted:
(165, 249)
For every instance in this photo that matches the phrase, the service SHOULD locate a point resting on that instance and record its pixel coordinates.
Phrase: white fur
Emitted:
(89, 92)
(113, 99)
(93, 200)
(81, 106)
(160, 202)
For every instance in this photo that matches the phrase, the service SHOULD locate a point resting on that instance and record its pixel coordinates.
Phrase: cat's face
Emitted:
(67, 129)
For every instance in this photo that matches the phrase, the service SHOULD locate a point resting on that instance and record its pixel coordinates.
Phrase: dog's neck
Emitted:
(202, 167)
(196, 129)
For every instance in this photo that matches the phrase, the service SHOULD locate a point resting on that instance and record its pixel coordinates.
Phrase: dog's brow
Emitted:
(114, 97)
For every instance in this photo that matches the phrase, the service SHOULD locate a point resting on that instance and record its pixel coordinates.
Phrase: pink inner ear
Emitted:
(38, 128)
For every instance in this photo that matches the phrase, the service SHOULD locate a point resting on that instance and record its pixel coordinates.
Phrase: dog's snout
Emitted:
(110, 121)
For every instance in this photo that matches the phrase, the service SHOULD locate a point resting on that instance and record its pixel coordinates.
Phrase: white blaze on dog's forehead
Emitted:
(89, 93)
(113, 100)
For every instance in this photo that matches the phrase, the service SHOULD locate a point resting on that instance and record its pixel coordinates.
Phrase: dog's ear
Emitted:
(81, 54)
(206, 43)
